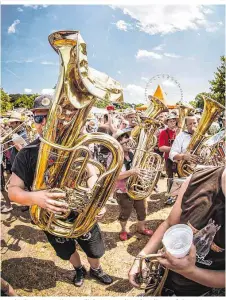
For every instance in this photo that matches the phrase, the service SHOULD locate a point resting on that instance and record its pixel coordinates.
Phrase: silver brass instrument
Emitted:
(213, 150)
(64, 153)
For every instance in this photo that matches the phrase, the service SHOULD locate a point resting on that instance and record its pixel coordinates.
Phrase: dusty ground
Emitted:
(31, 266)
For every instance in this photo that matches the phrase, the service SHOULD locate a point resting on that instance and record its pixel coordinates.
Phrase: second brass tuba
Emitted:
(211, 110)
(64, 153)
(149, 163)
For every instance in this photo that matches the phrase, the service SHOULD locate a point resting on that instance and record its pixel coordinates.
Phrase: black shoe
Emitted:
(24, 208)
(79, 276)
(101, 276)
(170, 201)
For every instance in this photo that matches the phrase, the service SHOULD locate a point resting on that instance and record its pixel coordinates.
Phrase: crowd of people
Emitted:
(188, 276)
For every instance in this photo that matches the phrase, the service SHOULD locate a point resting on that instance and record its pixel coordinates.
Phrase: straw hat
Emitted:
(121, 132)
(171, 116)
(129, 111)
(15, 117)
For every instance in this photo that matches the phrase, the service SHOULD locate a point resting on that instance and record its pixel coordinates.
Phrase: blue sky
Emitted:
(132, 44)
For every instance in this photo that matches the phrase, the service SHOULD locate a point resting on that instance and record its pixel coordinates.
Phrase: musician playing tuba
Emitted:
(180, 144)
(23, 176)
(69, 188)
(126, 203)
(200, 205)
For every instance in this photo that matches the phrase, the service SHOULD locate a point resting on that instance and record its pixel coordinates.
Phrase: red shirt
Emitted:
(166, 138)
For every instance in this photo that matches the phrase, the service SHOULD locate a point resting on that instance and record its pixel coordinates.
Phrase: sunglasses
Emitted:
(39, 119)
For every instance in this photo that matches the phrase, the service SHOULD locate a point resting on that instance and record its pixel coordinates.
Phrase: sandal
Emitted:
(147, 232)
(123, 236)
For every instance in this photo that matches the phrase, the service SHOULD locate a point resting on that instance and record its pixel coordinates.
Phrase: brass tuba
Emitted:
(64, 153)
(149, 163)
(211, 110)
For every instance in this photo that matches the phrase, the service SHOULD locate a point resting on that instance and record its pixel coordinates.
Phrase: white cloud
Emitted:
(27, 91)
(119, 72)
(168, 83)
(20, 9)
(47, 91)
(36, 6)
(12, 28)
(144, 79)
(147, 54)
(48, 63)
(159, 47)
(122, 25)
(173, 55)
(165, 19)
(135, 94)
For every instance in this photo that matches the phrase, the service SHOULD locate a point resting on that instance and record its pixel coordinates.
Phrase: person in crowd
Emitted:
(166, 139)
(126, 204)
(130, 116)
(200, 205)
(22, 177)
(124, 124)
(178, 150)
(14, 146)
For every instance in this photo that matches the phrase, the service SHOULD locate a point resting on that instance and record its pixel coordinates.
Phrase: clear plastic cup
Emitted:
(177, 240)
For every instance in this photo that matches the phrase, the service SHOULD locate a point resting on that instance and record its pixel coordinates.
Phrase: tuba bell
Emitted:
(64, 153)
(149, 163)
(211, 110)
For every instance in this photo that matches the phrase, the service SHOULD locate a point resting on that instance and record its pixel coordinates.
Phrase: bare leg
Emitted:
(141, 225)
(94, 262)
(75, 260)
(123, 226)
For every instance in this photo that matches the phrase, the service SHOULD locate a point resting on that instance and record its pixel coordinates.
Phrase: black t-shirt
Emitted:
(203, 209)
(25, 163)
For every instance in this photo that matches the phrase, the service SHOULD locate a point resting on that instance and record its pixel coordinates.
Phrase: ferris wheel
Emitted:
(170, 86)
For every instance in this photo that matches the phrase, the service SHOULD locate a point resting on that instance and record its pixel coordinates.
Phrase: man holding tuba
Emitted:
(22, 177)
(200, 205)
(180, 144)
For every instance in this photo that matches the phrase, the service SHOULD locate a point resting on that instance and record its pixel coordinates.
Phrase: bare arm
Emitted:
(92, 176)
(173, 218)
(165, 149)
(43, 198)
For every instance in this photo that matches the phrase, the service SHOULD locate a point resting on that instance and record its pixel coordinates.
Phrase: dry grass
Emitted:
(29, 263)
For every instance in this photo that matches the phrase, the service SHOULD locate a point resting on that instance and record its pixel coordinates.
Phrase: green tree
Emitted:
(103, 102)
(5, 102)
(199, 102)
(218, 83)
(25, 101)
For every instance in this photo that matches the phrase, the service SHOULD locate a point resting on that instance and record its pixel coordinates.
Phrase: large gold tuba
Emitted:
(211, 110)
(149, 163)
(64, 155)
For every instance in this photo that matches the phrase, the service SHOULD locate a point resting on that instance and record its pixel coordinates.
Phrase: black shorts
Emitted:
(91, 243)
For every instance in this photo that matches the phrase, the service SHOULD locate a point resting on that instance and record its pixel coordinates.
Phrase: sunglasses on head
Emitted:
(39, 119)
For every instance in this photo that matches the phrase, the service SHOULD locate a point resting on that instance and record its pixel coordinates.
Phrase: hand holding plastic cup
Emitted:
(177, 240)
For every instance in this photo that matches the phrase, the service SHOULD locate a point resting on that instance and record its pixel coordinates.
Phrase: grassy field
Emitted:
(30, 265)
